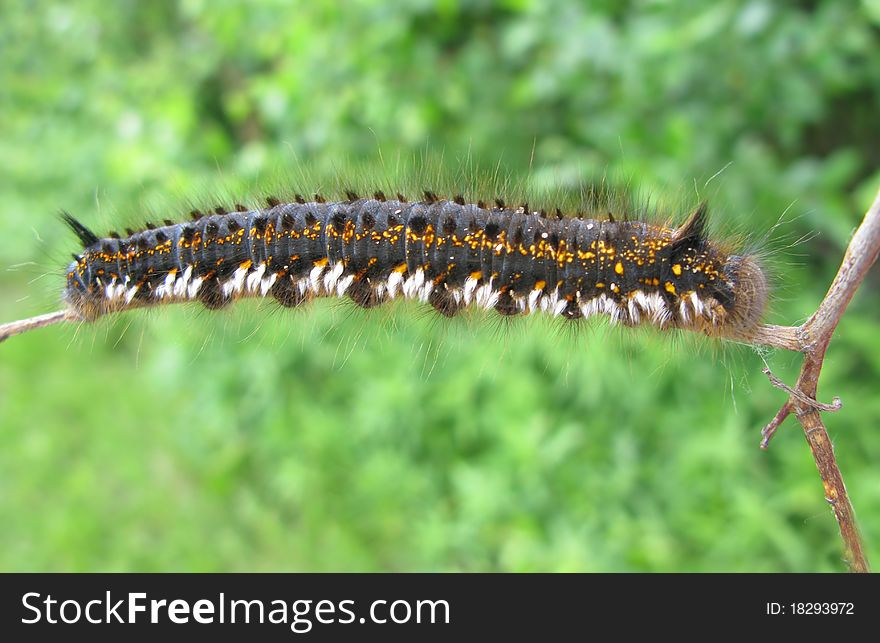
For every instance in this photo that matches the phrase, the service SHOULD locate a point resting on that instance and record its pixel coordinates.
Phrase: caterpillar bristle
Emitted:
(379, 195)
(418, 224)
(337, 223)
(260, 222)
(240, 208)
(86, 236)
(491, 230)
(694, 227)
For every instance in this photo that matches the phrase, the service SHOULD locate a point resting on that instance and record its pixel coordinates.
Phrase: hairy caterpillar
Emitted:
(449, 253)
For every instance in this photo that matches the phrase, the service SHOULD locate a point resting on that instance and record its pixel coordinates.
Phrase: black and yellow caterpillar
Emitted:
(450, 253)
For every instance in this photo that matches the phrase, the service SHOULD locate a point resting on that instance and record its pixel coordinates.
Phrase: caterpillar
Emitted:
(446, 252)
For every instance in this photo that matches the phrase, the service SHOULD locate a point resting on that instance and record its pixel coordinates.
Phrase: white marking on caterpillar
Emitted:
(660, 314)
(234, 284)
(110, 290)
(426, 292)
(267, 283)
(392, 284)
(253, 280)
(180, 286)
(314, 280)
(533, 299)
(590, 308)
(193, 289)
(697, 303)
(343, 285)
(470, 285)
(559, 305)
(130, 293)
(332, 277)
(413, 284)
(486, 295)
(684, 311)
(611, 308)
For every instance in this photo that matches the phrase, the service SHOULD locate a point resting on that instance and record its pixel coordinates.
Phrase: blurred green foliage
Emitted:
(337, 439)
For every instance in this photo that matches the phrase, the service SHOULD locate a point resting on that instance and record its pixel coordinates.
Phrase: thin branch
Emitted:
(803, 399)
(769, 431)
(812, 339)
(24, 325)
(785, 337)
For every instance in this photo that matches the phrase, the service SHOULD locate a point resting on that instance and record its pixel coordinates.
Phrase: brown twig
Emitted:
(23, 325)
(812, 339)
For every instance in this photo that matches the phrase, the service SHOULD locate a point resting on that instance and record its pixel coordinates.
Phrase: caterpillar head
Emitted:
(746, 300)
